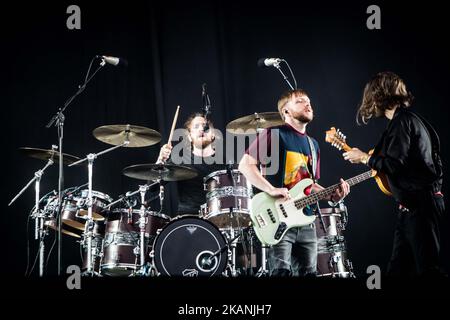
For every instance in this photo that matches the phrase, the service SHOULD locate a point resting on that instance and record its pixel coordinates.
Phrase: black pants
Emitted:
(416, 238)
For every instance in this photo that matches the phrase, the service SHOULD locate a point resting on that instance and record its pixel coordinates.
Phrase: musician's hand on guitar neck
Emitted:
(341, 192)
(280, 193)
(356, 156)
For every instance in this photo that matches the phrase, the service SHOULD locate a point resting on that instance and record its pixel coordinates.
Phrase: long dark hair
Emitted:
(383, 92)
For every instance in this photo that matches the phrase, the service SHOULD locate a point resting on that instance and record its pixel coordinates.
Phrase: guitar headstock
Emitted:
(336, 138)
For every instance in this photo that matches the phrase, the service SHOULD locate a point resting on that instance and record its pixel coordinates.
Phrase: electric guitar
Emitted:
(337, 139)
(273, 217)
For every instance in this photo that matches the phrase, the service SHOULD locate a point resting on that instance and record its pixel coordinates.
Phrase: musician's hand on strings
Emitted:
(341, 192)
(280, 193)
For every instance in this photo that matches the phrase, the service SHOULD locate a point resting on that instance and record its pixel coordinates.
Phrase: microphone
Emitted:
(115, 61)
(269, 62)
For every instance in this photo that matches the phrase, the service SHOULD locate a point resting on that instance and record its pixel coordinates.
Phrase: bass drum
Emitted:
(186, 246)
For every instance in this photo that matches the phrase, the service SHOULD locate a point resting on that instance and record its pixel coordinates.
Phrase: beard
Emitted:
(202, 142)
(304, 119)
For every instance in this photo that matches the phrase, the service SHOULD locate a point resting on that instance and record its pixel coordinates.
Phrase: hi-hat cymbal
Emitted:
(44, 154)
(165, 172)
(251, 123)
(116, 135)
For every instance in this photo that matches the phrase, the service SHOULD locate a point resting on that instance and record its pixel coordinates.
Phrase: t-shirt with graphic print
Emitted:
(293, 154)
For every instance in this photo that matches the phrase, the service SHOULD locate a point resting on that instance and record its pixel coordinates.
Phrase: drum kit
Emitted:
(122, 238)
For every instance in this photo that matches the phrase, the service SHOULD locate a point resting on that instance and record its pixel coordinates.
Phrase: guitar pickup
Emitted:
(283, 211)
(281, 228)
(272, 217)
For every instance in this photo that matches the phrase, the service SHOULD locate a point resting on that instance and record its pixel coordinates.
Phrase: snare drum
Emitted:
(186, 247)
(121, 244)
(225, 195)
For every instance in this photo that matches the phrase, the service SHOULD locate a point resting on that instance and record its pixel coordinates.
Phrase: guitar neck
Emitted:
(327, 192)
(346, 147)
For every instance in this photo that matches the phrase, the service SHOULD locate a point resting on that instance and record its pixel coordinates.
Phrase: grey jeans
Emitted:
(295, 254)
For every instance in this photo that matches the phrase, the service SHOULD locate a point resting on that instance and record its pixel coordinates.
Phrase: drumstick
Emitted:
(173, 126)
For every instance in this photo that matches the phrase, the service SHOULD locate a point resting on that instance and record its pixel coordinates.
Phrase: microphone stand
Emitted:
(277, 66)
(58, 119)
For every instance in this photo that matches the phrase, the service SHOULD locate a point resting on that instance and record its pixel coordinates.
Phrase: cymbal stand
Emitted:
(89, 226)
(38, 215)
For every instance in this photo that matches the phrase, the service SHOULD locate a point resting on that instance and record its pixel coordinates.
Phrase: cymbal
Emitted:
(165, 172)
(116, 135)
(44, 154)
(251, 123)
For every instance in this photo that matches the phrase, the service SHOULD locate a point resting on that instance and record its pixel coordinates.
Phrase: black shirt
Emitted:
(404, 155)
(191, 193)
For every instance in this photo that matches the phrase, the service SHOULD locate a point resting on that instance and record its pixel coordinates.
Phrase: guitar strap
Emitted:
(314, 158)
(314, 171)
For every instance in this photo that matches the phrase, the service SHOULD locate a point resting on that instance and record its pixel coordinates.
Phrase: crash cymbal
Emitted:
(165, 172)
(44, 154)
(116, 135)
(251, 123)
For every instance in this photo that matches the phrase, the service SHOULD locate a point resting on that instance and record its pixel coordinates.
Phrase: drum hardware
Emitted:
(89, 220)
(142, 222)
(96, 250)
(237, 204)
(331, 258)
(127, 197)
(38, 215)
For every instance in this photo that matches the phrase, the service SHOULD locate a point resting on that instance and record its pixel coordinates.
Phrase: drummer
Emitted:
(200, 136)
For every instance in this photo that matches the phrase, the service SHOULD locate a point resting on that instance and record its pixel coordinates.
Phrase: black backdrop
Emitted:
(173, 48)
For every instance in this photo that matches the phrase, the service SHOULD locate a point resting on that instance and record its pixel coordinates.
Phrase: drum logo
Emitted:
(191, 229)
(190, 273)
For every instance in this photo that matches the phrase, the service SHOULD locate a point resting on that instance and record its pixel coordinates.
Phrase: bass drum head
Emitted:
(185, 247)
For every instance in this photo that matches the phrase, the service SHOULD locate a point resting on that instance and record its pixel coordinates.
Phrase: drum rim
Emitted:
(149, 212)
(219, 172)
(97, 194)
(156, 247)
(331, 211)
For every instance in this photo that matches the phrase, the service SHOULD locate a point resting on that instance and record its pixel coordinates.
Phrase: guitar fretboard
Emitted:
(327, 192)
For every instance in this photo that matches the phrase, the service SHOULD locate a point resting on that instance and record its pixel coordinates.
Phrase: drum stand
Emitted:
(89, 226)
(232, 245)
(142, 223)
(38, 215)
